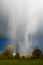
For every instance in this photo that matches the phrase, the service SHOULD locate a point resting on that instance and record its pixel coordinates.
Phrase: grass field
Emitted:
(21, 62)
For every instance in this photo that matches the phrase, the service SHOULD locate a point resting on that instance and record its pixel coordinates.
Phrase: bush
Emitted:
(3, 57)
(41, 57)
(23, 57)
(17, 56)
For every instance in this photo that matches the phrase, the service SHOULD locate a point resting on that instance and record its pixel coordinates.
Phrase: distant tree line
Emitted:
(8, 54)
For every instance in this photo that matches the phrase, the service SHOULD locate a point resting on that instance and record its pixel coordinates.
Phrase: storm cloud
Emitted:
(22, 20)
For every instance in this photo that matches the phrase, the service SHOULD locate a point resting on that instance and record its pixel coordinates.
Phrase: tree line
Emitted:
(8, 54)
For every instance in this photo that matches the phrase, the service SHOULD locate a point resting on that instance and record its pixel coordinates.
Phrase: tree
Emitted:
(17, 51)
(9, 51)
(36, 53)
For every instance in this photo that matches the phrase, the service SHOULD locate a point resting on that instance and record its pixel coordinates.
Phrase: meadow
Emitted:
(22, 62)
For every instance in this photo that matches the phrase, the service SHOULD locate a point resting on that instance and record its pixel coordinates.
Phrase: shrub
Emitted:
(41, 57)
(17, 56)
(3, 57)
(23, 57)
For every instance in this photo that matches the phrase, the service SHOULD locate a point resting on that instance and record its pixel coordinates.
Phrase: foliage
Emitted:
(3, 57)
(17, 56)
(23, 57)
(41, 57)
(8, 52)
(36, 53)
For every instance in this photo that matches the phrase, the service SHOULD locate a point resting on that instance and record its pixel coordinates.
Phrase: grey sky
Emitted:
(18, 13)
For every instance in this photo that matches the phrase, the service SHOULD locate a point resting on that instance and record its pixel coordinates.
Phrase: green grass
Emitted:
(21, 62)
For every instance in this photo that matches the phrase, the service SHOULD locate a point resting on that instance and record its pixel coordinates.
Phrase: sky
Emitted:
(22, 20)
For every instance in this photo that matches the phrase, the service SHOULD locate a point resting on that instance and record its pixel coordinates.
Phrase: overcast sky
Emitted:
(21, 17)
